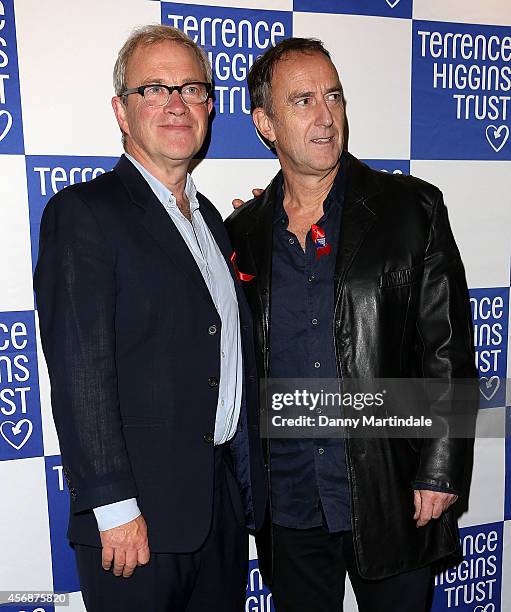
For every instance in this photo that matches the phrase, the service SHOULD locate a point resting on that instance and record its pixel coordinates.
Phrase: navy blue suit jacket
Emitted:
(132, 342)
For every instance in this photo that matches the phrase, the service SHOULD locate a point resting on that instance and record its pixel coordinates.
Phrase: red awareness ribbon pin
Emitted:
(242, 277)
(319, 239)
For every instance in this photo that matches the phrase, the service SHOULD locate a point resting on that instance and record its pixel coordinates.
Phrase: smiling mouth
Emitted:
(322, 140)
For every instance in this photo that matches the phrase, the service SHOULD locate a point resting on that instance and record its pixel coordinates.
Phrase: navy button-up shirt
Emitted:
(309, 477)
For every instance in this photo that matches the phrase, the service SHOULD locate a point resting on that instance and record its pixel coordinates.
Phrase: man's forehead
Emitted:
(300, 64)
(164, 55)
(298, 70)
(161, 50)
(312, 57)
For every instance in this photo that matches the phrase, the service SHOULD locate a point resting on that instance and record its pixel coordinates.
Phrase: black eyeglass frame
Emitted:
(170, 88)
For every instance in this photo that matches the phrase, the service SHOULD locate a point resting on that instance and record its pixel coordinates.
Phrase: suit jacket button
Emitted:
(208, 437)
(212, 330)
(213, 382)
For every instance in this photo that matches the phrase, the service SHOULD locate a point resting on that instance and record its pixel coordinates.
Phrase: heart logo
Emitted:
(8, 124)
(393, 3)
(12, 432)
(487, 608)
(489, 386)
(497, 136)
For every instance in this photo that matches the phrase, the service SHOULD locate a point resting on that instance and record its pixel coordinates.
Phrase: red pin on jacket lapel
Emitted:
(242, 277)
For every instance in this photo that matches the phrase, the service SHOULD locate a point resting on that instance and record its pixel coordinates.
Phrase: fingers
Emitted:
(426, 512)
(143, 556)
(125, 561)
(431, 504)
(119, 561)
(450, 501)
(256, 192)
(417, 500)
(438, 508)
(131, 563)
(107, 557)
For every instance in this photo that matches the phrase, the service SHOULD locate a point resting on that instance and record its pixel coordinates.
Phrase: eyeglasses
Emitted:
(159, 94)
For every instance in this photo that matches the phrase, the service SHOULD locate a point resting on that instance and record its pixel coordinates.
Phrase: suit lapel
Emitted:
(160, 226)
(162, 229)
(221, 237)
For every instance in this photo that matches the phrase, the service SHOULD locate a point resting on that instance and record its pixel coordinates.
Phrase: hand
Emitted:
(256, 192)
(126, 546)
(430, 504)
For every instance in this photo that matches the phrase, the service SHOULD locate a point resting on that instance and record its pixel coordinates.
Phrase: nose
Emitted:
(175, 105)
(324, 115)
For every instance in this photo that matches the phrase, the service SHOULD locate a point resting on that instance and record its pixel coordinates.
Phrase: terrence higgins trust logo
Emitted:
(461, 91)
(474, 585)
(233, 39)
(490, 314)
(20, 411)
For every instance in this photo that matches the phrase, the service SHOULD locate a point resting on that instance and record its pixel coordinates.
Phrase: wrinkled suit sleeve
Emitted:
(76, 295)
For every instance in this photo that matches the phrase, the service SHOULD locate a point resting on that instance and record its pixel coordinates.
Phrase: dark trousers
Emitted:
(310, 570)
(212, 578)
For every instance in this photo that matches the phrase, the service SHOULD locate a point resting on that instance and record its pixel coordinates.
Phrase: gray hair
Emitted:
(151, 35)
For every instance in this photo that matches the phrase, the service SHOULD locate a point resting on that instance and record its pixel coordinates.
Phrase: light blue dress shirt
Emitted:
(216, 275)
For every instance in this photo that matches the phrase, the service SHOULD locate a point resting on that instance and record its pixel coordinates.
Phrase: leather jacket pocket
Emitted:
(399, 278)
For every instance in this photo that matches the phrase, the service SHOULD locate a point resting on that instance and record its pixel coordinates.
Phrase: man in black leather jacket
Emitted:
(350, 273)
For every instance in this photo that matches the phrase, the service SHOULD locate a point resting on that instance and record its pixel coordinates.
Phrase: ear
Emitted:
(120, 114)
(264, 124)
(210, 105)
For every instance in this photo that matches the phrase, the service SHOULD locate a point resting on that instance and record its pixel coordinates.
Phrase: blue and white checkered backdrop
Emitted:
(428, 86)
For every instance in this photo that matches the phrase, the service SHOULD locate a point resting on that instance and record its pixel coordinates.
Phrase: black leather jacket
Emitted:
(401, 310)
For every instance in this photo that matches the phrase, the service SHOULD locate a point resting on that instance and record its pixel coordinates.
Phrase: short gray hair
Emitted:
(151, 35)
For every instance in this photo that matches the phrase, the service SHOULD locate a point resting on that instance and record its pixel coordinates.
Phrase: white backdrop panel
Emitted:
(15, 262)
(66, 53)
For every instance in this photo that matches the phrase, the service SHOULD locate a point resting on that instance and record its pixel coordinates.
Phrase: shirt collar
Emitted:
(335, 195)
(164, 194)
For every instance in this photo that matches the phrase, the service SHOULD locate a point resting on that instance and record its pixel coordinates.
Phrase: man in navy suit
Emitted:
(149, 346)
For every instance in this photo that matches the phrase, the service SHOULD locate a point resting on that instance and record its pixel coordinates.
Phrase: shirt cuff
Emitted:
(118, 513)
